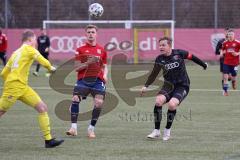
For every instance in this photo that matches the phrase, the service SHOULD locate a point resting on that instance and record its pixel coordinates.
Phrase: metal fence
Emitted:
(186, 13)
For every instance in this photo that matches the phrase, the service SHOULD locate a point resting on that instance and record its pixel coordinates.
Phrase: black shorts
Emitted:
(2, 55)
(177, 91)
(45, 55)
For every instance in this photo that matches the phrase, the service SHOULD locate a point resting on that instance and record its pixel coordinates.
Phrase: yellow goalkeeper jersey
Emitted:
(18, 66)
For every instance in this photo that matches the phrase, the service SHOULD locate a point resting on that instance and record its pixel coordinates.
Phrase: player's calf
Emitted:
(74, 109)
(98, 103)
(234, 84)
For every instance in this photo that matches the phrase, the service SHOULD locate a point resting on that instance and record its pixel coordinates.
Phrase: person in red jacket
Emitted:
(3, 47)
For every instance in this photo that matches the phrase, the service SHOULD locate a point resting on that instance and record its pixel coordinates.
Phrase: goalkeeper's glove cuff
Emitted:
(52, 69)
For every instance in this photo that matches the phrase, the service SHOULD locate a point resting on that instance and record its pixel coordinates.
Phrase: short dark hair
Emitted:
(226, 29)
(90, 26)
(168, 39)
(230, 30)
(27, 34)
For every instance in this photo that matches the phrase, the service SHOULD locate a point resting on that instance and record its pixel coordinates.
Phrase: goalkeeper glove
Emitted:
(52, 69)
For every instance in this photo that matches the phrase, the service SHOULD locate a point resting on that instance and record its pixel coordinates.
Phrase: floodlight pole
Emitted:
(6, 13)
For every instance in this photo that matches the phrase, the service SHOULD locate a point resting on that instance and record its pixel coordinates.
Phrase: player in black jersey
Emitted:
(43, 42)
(176, 83)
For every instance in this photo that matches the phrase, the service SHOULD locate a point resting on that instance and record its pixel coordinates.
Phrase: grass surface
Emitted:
(206, 126)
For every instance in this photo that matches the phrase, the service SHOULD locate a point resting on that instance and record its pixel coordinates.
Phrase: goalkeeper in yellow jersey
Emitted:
(15, 76)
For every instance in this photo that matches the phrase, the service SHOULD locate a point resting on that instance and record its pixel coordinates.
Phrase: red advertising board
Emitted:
(64, 42)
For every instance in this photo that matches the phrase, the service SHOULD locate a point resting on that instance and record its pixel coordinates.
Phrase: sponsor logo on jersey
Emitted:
(99, 51)
(230, 50)
(176, 57)
(171, 65)
(42, 40)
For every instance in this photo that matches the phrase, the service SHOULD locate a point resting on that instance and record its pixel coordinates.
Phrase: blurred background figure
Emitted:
(3, 47)
(43, 43)
(221, 57)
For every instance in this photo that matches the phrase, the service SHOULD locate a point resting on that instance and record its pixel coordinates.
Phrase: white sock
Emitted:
(90, 127)
(74, 125)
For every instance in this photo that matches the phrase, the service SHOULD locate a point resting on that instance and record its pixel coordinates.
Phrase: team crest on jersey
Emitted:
(99, 51)
(176, 57)
(234, 44)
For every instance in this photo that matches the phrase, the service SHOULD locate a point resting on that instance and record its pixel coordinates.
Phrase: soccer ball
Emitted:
(95, 10)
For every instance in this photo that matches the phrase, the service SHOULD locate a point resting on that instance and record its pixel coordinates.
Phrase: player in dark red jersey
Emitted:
(91, 64)
(176, 83)
(3, 47)
(221, 58)
(231, 52)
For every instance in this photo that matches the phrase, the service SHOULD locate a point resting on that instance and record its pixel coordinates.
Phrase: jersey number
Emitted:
(16, 59)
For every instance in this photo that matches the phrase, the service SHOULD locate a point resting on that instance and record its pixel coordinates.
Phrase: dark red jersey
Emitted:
(3, 43)
(84, 53)
(229, 47)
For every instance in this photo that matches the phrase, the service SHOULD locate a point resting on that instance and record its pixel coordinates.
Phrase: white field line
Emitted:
(112, 89)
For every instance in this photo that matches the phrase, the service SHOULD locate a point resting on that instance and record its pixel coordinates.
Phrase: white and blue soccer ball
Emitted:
(95, 10)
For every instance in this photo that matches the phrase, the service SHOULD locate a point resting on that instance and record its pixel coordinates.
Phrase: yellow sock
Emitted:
(44, 124)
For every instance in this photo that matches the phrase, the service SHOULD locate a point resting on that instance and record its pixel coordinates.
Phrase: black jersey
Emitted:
(219, 46)
(218, 49)
(174, 70)
(43, 43)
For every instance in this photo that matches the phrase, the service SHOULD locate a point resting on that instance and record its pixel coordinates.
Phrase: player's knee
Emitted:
(41, 107)
(160, 100)
(172, 105)
(225, 77)
(98, 102)
(75, 98)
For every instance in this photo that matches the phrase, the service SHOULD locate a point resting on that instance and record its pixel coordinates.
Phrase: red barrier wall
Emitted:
(64, 41)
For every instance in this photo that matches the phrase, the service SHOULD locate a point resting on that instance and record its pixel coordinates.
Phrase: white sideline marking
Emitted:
(112, 89)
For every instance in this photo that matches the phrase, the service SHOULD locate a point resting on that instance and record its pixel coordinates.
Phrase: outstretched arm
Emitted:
(153, 75)
(105, 72)
(151, 78)
(197, 60)
(44, 62)
(7, 69)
